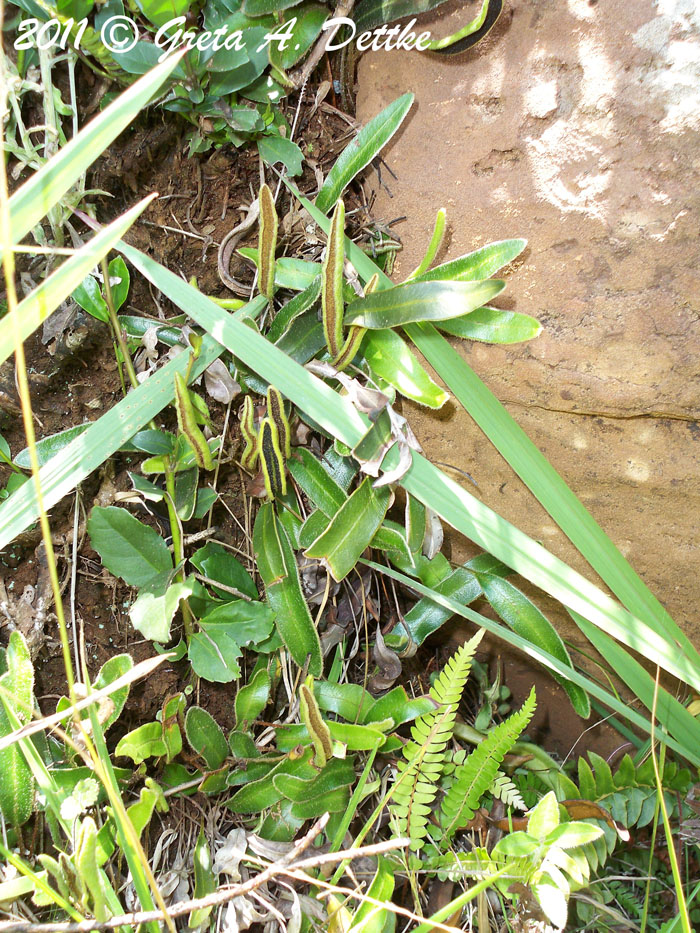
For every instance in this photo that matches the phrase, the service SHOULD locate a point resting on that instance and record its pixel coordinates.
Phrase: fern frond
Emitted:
(504, 789)
(475, 776)
(418, 775)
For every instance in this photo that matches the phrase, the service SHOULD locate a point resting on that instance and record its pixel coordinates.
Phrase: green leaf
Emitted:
(142, 743)
(373, 917)
(315, 482)
(544, 818)
(261, 794)
(120, 289)
(216, 563)
(205, 737)
(369, 141)
(17, 696)
(426, 616)
(50, 446)
(351, 529)
(252, 699)
(492, 325)
(481, 264)
(89, 296)
(154, 608)
(186, 482)
(309, 17)
(112, 670)
(516, 845)
(276, 148)
(214, 651)
(128, 548)
(204, 880)
(278, 568)
(391, 538)
(337, 773)
(421, 301)
(529, 622)
(575, 833)
(389, 357)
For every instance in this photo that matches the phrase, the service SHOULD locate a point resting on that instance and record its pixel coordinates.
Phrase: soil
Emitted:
(199, 201)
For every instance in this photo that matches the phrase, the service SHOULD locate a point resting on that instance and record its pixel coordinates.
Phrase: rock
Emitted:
(577, 125)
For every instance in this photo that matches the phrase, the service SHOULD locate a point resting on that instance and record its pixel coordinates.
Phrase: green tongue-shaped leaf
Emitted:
(421, 301)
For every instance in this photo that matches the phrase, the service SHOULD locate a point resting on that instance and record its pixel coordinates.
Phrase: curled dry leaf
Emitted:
(388, 664)
(228, 857)
(219, 383)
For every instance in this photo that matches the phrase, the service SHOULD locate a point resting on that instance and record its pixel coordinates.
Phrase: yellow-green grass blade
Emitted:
(46, 187)
(533, 468)
(43, 301)
(464, 512)
(105, 436)
(686, 744)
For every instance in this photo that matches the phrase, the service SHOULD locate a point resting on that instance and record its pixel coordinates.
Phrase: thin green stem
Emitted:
(116, 326)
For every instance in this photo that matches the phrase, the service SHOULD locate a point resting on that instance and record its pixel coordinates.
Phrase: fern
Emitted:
(418, 775)
(504, 789)
(473, 778)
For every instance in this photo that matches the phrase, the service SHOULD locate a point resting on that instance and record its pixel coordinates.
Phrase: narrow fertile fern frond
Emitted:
(418, 775)
(473, 778)
(504, 789)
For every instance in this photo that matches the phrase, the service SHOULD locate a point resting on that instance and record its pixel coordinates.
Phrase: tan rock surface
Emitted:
(575, 124)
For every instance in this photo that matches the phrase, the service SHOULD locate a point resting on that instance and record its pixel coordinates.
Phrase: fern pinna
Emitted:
(418, 775)
(480, 769)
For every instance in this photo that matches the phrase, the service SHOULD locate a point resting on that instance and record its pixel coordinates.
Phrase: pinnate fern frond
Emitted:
(418, 775)
(473, 778)
(504, 789)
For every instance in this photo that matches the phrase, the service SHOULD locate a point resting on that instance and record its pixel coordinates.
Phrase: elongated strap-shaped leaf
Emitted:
(271, 459)
(390, 357)
(105, 436)
(43, 301)
(44, 189)
(187, 423)
(351, 529)
(278, 569)
(268, 242)
(527, 620)
(332, 304)
(481, 264)
(550, 489)
(421, 301)
(369, 141)
(316, 482)
(275, 409)
(493, 325)
(433, 245)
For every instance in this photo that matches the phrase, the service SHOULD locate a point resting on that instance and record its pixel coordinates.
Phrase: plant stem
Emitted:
(116, 326)
(178, 546)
